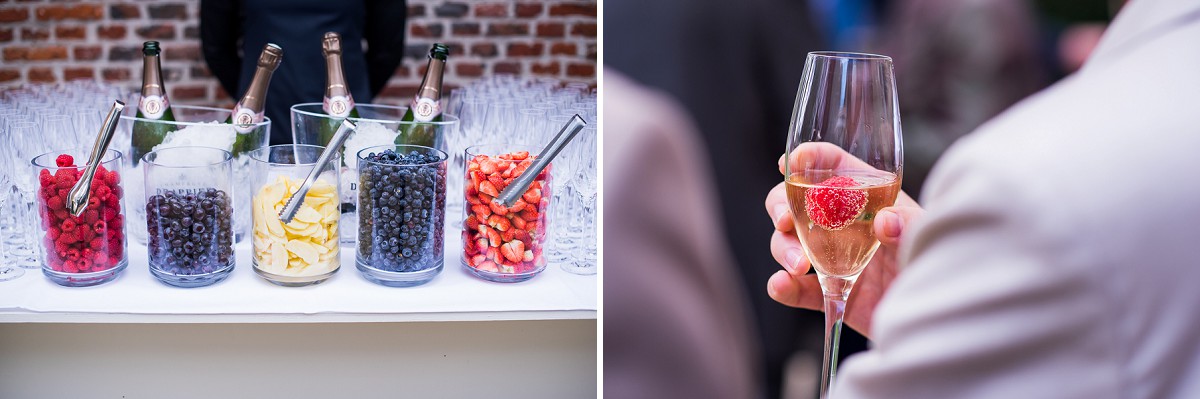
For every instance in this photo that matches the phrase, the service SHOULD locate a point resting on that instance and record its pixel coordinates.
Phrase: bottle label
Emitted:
(338, 106)
(244, 119)
(153, 107)
(425, 109)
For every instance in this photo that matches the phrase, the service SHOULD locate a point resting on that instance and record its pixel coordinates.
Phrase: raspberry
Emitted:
(96, 244)
(65, 179)
(833, 207)
(72, 254)
(69, 237)
(56, 203)
(113, 178)
(64, 160)
(110, 213)
(45, 178)
(91, 215)
(52, 233)
(100, 227)
(68, 225)
(70, 267)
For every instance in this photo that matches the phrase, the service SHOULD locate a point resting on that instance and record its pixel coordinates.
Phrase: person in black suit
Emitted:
(735, 68)
(233, 32)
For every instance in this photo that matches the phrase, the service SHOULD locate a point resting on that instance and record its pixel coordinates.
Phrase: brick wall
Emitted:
(43, 41)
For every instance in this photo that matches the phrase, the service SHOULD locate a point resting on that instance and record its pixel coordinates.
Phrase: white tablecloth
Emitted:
(136, 296)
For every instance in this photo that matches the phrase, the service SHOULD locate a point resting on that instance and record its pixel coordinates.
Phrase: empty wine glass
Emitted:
(7, 270)
(844, 163)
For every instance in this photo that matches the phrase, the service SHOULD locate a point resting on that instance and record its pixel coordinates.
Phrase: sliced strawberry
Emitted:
(832, 206)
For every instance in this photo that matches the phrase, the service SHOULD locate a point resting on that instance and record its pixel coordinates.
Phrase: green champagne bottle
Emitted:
(338, 102)
(153, 105)
(426, 105)
(249, 110)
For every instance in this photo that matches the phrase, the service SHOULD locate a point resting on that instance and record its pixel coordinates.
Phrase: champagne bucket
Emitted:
(377, 125)
(194, 126)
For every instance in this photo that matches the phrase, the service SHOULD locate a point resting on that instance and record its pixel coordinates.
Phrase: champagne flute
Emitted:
(844, 163)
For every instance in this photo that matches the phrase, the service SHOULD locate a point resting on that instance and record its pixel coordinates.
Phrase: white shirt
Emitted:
(1060, 256)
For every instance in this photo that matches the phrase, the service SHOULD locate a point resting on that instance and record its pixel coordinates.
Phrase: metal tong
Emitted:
(77, 199)
(335, 144)
(517, 188)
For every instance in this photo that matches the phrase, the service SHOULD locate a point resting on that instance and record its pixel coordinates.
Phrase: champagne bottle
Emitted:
(338, 102)
(153, 105)
(426, 105)
(249, 110)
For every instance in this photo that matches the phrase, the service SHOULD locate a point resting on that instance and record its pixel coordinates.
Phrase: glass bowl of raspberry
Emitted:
(503, 244)
(84, 250)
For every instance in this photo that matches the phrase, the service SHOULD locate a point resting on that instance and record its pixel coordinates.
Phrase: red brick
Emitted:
(200, 71)
(6, 34)
(507, 67)
(48, 53)
(182, 52)
(167, 11)
(416, 10)
(426, 30)
(34, 34)
(70, 32)
(469, 69)
(182, 92)
(581, 70)
(115, 74)
(591, 51)
(494, 10)
(8, 75)
(79, 73)
(160, 32)
(568, 9)
(525, 50)
(528, 10)
(551, 29)
(508, 29)
(41, 75)
(114, 32)
(564, 49)
(400, 91)
(13, 14)
(546, 68)
(584, 29)
(402, 72)
(484, 50)
(125, 53)
(219, 94)
(16, 53)
(124, 11)
(88, 53)
(84, 12)
(465, 29)
(451, 10)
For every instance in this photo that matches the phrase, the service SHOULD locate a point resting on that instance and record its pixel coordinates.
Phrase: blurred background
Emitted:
(45, 41)
(733, 68)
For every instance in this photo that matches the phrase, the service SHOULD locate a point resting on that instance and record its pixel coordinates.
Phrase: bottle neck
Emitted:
(256, 94)
(338, 101)
(152, 83)
(431, 84)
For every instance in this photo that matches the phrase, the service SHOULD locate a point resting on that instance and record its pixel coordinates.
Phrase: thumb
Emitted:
(891, 222)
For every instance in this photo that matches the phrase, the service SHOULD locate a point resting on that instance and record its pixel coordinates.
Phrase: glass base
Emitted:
(191, 280)
(582, 268)
(85, 279)
(295, 281)
(397, 279)
(10, 273)
(502, 277)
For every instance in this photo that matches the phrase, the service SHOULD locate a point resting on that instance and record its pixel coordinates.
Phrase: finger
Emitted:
(777, 208)
(788, 251)
(890, 223)
(795, 291)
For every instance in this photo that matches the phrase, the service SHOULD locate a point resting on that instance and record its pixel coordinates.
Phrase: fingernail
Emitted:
(779, 211)
(792, 260)
(892, 225)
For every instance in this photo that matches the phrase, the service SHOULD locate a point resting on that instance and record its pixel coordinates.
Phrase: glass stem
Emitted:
(836, 291)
